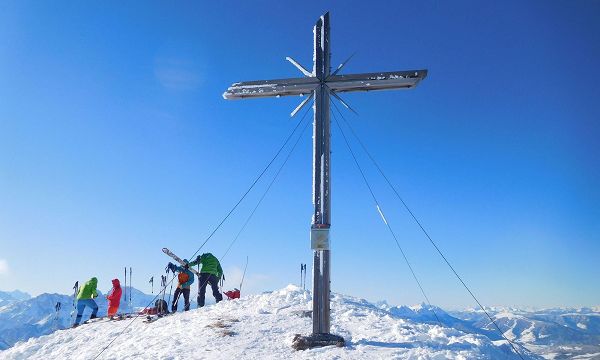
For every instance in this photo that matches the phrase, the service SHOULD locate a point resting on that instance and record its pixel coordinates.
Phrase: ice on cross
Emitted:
(336, 83)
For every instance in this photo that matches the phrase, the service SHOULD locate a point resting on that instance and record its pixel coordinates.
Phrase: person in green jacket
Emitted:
(85, 297)
(210, 273)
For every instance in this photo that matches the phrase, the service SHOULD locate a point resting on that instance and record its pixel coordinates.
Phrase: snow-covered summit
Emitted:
(262, 327)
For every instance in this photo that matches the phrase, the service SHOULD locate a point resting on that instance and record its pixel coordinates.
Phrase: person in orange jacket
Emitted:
(185, 278)
(114, 298)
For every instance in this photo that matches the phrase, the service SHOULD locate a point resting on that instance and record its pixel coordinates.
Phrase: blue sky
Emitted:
(115, 142)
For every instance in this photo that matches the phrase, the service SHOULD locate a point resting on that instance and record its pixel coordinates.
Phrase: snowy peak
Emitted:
(564, 333)
(7, 297)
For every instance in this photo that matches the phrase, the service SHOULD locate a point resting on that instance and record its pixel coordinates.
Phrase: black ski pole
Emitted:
(304, 282)
(163, 285)
(170, 290)
(130, 290)
(57, 309)
(75, 291)
(125, 297)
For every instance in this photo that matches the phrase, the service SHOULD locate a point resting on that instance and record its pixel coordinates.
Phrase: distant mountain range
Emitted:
(7, 297)
(23, 317)
(560, 333)
(552, 333)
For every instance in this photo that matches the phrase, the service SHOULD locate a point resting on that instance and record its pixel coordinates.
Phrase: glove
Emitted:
(171, 267)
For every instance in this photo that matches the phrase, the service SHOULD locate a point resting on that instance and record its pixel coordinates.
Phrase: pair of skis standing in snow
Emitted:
(210, 274)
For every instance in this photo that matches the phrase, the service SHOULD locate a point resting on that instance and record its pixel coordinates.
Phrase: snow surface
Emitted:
(262, 327)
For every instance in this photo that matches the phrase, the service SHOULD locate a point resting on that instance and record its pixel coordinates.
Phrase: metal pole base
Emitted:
(317, 340)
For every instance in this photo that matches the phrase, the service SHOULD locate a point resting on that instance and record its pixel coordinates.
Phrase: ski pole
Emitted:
(170, 290)
(125, 297)
(57, 308)
(304, 278)
(130, 290)
(244, 274)
(163, 285)
(75, 291)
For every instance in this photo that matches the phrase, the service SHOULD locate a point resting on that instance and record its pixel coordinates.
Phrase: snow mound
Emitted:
(262, 327)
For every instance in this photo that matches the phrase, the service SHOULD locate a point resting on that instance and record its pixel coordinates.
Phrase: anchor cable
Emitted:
(267, 189)
(264, 195)
(385, 220)
(254, 183)
(216, 228)
(425, 231)
(134, 319)
(265, 192)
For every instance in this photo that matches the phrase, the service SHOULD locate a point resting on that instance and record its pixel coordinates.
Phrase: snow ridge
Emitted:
(7, 297)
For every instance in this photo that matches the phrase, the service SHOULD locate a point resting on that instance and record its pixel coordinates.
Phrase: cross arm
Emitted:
(376, 81)
(270, 88)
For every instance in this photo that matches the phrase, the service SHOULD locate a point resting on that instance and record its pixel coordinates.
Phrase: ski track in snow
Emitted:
(262, 327)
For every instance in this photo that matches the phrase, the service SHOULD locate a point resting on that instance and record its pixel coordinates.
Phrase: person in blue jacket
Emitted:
(185, 279)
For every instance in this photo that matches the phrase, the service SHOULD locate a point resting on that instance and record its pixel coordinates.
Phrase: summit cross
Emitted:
(320, 84)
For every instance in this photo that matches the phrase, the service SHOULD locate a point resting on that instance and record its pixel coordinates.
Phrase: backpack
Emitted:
(183, 277)
(149, 311)
(161, 306)
(232, 294)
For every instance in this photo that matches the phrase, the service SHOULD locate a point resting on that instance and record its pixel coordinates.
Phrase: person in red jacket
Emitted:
(114, 298)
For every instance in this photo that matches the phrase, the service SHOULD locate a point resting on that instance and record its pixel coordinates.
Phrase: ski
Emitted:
(153, 318)
(120, 317)
(149, 319)
(95, 320)
(178, 259)
(117, 317)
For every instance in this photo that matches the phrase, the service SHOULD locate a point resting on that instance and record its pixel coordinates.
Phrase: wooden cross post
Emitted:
(320, 84)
